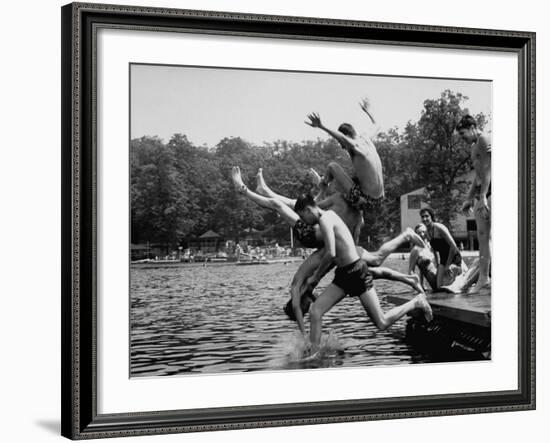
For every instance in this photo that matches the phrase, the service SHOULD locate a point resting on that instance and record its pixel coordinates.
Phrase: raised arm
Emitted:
(365, 106)
(315, 122)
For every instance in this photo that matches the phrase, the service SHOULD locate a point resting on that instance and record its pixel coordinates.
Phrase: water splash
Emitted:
(229, 318)
(294, 345)
(331, 345)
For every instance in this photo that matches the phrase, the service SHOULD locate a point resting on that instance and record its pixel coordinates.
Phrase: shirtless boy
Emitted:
(367, 187)
(479, 194)
(352, 276)
(311, 237)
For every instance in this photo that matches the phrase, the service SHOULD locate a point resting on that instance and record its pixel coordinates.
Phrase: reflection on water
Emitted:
(223, 318)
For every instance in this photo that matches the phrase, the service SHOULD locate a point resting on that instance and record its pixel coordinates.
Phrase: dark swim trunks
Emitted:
(306, 235)
(440, 245)
(355, 195)
(355, 278)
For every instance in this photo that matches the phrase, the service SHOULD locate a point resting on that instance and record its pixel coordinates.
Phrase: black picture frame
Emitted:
(79, 169)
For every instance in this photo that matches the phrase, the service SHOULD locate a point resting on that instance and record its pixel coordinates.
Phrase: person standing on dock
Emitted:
(479, 196)
(352, 276)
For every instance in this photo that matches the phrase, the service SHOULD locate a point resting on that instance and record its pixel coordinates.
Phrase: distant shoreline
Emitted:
(174, 263)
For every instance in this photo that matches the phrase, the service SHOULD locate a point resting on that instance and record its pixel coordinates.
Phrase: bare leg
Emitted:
(332, 295)
(266, 191)
(321, 185)
(383, 320)
(265, 202)
(317, 179)
(464, 281)
(322, 194)
(343, 180)
(441, 278)
(389, 274)
(377, 258)
(263, 189)
(484, 239)
(470, 277)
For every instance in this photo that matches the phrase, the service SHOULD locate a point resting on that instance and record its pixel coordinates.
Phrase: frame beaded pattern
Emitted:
(78, 9)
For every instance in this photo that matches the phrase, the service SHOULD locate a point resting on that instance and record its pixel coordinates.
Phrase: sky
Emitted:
(208, 104)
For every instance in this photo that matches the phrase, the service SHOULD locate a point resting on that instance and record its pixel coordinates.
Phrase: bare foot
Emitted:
(413, 237)
(261, 187)
(317, 179)
(238, 180)
(480, 286)
(422, 303)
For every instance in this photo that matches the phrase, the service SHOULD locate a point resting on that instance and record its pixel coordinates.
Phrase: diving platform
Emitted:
(472, 309)
(460, 322)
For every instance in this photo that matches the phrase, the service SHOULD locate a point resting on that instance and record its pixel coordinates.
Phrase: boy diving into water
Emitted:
(352, 276)
(367, 187)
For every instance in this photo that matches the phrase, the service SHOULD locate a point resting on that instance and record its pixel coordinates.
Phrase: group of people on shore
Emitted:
(330, 222)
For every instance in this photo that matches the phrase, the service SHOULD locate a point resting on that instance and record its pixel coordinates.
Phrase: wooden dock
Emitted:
(471, 309)
(461, 322)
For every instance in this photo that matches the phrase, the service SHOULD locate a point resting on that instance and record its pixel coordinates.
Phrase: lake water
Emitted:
(224, 318)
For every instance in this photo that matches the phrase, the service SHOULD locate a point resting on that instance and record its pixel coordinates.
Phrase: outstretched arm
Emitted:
(315, 122)
(365, 106)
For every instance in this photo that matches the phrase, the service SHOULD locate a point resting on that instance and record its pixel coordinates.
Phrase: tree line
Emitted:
(179, 191)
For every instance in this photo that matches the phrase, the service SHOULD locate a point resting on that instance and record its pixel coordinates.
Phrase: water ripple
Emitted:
(230, 318)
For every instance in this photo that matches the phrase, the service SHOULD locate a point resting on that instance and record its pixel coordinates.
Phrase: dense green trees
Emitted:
(179, 191)
(441, 157)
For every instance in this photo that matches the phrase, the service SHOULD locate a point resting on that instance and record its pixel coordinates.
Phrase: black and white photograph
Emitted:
(295, 220)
